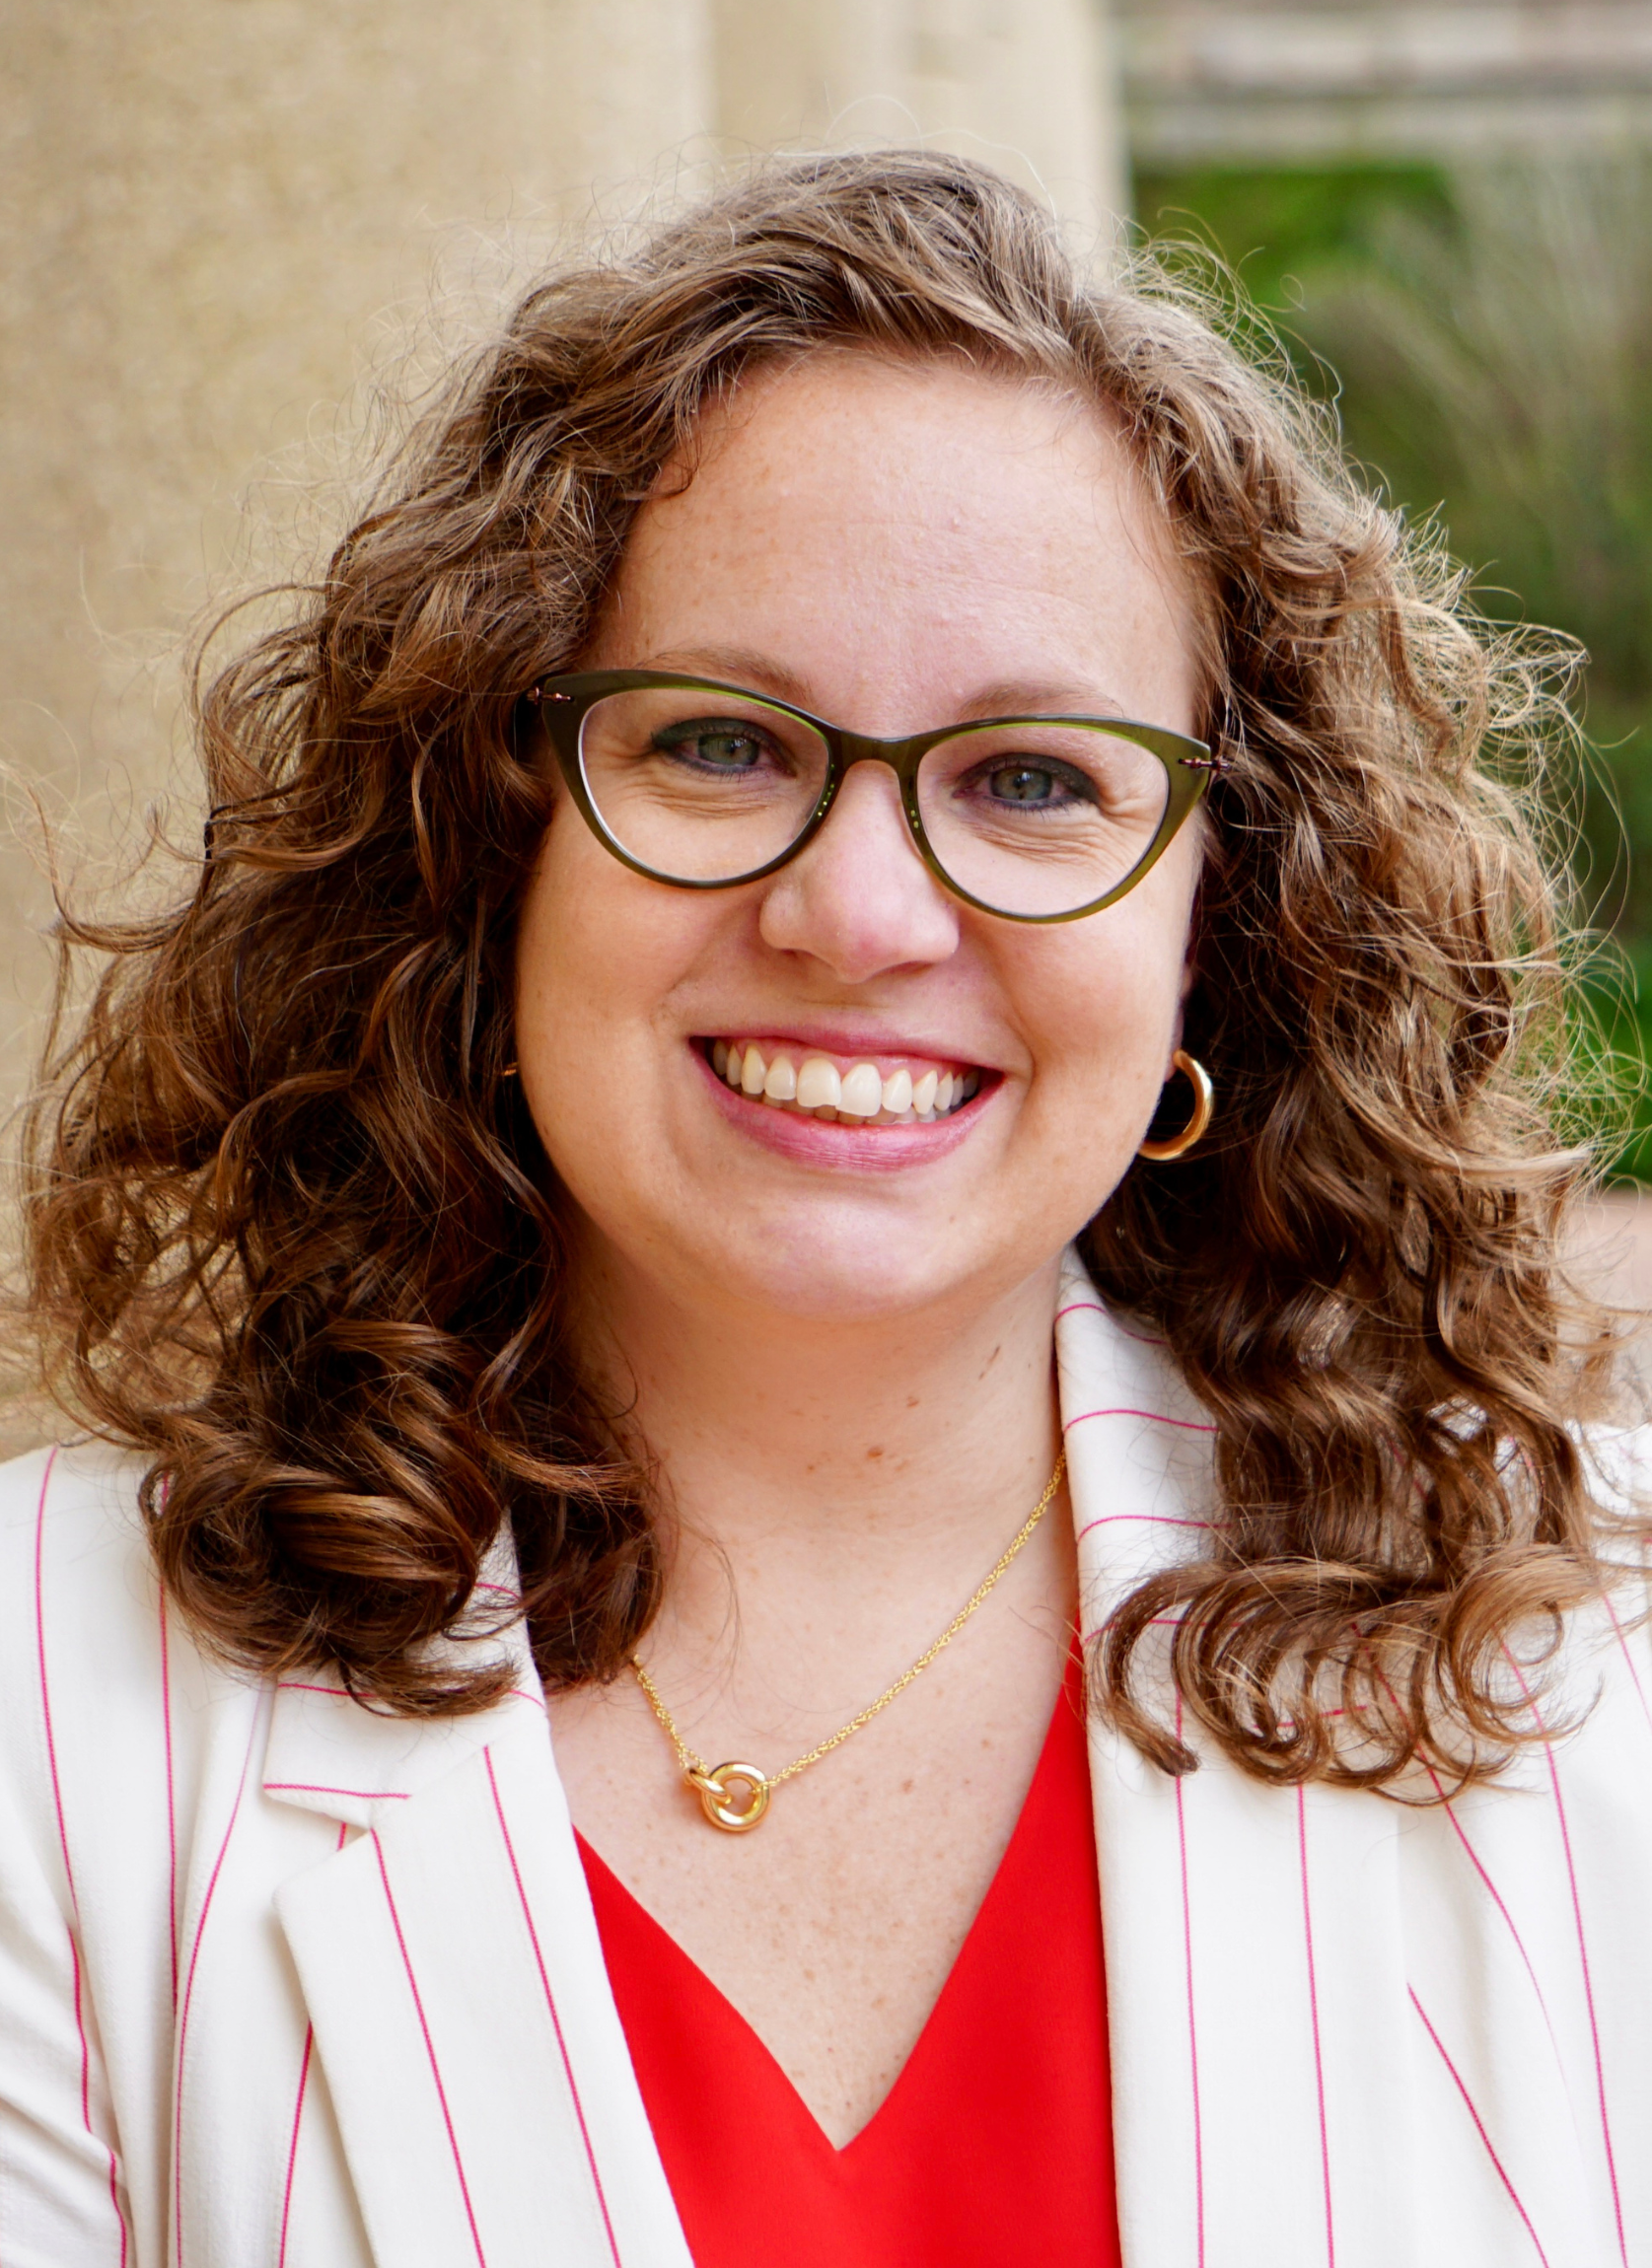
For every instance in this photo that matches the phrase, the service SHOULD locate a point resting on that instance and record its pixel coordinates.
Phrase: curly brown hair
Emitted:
(292, 1236)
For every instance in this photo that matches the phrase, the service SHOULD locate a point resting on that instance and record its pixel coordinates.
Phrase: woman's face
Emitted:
(891, 547)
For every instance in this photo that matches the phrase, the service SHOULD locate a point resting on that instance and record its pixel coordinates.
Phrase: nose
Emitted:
(859, 898)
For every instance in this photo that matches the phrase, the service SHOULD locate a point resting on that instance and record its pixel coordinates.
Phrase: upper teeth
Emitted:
(861, 1092)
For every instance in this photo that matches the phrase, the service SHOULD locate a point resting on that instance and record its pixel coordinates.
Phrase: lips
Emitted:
(908, 1091)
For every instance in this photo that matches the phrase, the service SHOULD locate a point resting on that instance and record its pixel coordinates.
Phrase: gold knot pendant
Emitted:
(716, 1785)
(714, 1788)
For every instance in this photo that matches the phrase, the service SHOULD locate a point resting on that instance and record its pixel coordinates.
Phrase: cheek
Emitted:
(1102, 1015)
(583, 992)
(555, 965)
(1120, 979)
(1108, 1035)
(595, 940)
(601, 955)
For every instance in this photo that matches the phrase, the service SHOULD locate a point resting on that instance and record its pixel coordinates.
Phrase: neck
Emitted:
(828, 1452)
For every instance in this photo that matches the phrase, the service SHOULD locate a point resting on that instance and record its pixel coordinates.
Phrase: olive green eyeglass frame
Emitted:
(562, 703)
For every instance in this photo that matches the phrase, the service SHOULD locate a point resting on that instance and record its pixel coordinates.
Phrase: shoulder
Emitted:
(104, 1695)
(79, 1602)
(72, 1551)
(1604, 1722)
(82, 1710)
(1619, 1463)
(69, 1528)
(1607, 1650)
(66, 1480)
(1584, 1687)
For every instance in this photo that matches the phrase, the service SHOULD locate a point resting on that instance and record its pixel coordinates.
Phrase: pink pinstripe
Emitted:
(1314, 2015)
(1192, 2027)
(292, 2147)
(1479, 2126)
(551, 2004)
(172, 1806)
(1496, 1897)
(189, 1994)
(361, 1795)
(298, 2115)
(1583, 1958)
(1492, 1891)
(1094, 1307)
(63, 1846)
(1629, 1661)
(1139, 1520)
(1152, 1417)
(430, 2051)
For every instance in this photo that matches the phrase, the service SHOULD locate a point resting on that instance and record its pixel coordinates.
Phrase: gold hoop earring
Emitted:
(1204, 1109)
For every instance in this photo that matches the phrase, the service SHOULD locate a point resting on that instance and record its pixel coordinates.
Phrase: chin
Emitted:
(849, 1270)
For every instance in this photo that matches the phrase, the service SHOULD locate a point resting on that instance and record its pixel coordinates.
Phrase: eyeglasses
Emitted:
(705, 786)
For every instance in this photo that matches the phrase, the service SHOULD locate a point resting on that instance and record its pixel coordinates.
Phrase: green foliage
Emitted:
(1616, 1048)
(1282, 231)
(1487, 332)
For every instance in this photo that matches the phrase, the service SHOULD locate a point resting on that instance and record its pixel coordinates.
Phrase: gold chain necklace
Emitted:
(713, 1785)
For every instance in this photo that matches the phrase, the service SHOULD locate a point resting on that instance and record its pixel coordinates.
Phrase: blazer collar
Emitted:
(1138, 1449)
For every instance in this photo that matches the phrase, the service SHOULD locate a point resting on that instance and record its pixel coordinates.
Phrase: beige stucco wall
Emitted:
(220, 220)
(1028, 85)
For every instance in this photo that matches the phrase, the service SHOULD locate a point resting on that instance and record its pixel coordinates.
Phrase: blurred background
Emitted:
(229, 227)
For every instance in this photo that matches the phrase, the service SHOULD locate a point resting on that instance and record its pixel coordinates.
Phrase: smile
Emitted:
(814, 1085)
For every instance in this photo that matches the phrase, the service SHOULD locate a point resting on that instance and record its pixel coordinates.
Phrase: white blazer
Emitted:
(284, 1984)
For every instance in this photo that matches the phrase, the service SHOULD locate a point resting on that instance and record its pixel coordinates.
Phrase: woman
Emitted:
(871, 863)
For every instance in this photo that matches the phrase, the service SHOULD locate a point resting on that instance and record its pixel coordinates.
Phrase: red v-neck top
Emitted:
(993, 2148)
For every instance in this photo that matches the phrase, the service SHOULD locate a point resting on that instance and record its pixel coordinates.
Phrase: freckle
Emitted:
(872, 1452)
(911, 1401)
(906, 1787)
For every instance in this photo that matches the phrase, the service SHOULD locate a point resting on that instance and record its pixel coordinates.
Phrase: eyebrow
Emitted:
(737, 665)
(1040, 697)
(761, 673)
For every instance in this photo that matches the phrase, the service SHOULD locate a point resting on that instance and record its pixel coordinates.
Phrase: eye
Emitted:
(718, 743)
(1022, 784)
(1029, 783)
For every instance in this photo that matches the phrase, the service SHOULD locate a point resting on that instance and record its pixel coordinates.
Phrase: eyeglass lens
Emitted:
(1028, 817)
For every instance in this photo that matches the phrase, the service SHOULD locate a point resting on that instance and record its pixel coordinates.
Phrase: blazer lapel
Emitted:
(1256, 1980)
(451, 1965)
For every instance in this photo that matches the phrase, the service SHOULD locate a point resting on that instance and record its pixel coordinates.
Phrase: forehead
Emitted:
(912, 522)
(904, 444)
